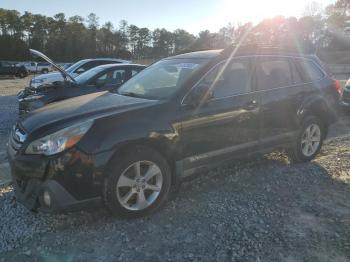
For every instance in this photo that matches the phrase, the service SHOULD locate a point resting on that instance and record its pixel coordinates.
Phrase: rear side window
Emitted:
(273, 72)
(311, 72)
(135, 71)
(297, 76)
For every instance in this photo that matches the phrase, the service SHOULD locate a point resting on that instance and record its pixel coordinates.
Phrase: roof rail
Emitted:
(266, 48)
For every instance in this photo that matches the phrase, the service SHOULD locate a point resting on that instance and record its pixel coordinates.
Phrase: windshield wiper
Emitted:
(132, 94)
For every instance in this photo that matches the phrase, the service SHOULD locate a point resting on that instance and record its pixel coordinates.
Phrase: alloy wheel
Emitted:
(310, 140)
(139, 185)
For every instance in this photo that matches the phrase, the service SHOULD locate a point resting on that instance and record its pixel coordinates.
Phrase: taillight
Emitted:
(337, 86)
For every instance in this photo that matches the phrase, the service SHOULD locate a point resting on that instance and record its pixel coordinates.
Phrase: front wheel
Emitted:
(308, 141)
(138, 184)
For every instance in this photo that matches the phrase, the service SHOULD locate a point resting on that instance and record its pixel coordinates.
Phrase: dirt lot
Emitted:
(261, 209)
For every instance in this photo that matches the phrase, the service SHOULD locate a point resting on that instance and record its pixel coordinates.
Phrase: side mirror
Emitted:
(199, 95)
(100, 83)
(80, 70)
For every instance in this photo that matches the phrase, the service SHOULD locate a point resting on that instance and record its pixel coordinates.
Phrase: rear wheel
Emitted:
(22, 75)
(138, 184)
(44, 71)
(309, 140)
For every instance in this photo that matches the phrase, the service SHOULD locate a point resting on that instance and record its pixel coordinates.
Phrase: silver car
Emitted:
(74, 70)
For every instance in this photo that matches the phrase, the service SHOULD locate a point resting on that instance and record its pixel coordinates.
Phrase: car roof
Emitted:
(199, 54)
(105, 59)
(242, 51)
(120, 65)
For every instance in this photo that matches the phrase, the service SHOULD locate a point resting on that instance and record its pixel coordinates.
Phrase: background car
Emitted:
(100, 78)
(9, 69)
(346, 96)
(34, 67)
(74, 70)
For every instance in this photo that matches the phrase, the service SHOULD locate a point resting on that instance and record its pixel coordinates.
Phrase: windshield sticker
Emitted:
(187, 65)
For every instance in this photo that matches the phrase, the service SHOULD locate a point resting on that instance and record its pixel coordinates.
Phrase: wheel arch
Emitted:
(159, 145)
(318, 107)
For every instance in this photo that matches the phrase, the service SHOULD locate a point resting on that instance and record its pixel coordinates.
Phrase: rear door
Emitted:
(280, 87)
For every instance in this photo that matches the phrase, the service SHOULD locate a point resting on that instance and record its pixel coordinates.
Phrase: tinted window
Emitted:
(135, 71)
(273, 73)
(105, 62)
(297, 77)
(86, 76)
(310, 70)
(113, 77)
(89, 65)
(229, 79)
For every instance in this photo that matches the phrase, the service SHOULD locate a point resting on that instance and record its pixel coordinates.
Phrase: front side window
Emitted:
(86, 76)
(162, 79)
(273, 73)
(228, 79)
(113, 77)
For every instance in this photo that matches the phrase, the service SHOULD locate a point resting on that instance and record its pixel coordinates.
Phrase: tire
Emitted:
(22, 75)
(300, 151)
(44, 71)
(123, 192)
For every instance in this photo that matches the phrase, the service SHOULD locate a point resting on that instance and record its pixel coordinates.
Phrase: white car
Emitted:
(74, 70)
(34, 67)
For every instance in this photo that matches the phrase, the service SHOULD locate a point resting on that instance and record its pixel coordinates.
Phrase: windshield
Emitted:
(162, 79)
(86, 76)
(75, 66)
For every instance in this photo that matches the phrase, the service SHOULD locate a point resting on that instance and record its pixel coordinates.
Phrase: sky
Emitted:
(191, 15)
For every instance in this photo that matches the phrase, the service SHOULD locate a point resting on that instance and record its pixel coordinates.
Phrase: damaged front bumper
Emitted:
(66, 182)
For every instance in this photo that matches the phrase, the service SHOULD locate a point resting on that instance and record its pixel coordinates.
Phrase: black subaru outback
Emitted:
(130, 149)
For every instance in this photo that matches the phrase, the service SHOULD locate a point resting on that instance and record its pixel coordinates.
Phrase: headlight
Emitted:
(37, 81)
(60, 140)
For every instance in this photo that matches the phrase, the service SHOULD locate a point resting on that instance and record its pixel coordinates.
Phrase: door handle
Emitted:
(251, 104)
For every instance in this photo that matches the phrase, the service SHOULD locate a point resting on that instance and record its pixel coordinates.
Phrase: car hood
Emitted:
(63, 72)
(81, 108)
(46, 81)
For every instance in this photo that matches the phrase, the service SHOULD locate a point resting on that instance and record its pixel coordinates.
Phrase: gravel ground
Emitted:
(261, 209)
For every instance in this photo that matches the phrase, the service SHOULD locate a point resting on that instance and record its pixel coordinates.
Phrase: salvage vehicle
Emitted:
(74, 70)
(131, 148)
(100, 78)
(10, 69)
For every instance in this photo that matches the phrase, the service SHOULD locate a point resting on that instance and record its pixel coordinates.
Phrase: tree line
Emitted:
(72, 38)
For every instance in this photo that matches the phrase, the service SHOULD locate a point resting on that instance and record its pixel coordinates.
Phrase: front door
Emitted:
(109, 80)
(225, 124)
